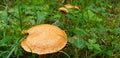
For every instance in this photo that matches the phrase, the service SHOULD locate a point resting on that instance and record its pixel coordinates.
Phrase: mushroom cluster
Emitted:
(68, 6)
(44, 39)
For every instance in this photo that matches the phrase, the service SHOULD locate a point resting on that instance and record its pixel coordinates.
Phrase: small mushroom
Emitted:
(76, 7)
(44, 39)
(69, 6)
(63, 9)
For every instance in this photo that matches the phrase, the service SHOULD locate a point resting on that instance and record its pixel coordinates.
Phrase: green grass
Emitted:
(93, 31)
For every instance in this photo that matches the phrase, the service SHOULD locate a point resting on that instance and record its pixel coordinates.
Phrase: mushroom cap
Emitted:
(44, 39)
(77, 8)
(69, 6)
(63, 9)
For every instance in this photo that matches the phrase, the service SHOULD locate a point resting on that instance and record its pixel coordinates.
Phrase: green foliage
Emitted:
(93, 31)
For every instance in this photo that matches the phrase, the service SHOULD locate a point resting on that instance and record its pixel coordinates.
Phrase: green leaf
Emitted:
(58, 23)
(3, 15)
(92, 41)
(90, 13)
(4, 40)
(109, 52)
(44, 7)
(81, 33)
(41, 17)
(77, 42)
(97, 47)
(92, 44)
(91, 16)
(90, 47)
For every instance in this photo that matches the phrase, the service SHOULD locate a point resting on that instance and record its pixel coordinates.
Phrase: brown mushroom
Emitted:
(69, 6)
(44, 39)
(76, 7)
(63, 9)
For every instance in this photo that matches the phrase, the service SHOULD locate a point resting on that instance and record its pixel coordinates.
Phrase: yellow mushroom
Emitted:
(63, 9)
(44, 39)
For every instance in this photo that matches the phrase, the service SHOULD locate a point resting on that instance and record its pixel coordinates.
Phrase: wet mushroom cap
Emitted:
(44, 39)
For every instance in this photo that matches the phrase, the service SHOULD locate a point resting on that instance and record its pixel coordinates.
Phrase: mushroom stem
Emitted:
(42, 56)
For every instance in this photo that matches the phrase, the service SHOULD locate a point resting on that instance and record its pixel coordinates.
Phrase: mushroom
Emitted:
(44, 39)
(63, 9)
(68, 6)
(76, 7)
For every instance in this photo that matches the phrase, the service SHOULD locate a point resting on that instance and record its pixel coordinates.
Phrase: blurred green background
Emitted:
(93, 31)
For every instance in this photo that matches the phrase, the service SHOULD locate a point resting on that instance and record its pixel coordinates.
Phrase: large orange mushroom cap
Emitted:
(44, 39)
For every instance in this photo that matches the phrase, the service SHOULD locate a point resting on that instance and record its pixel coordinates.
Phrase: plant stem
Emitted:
(19, 11)
(65, 53)
(76, 53)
